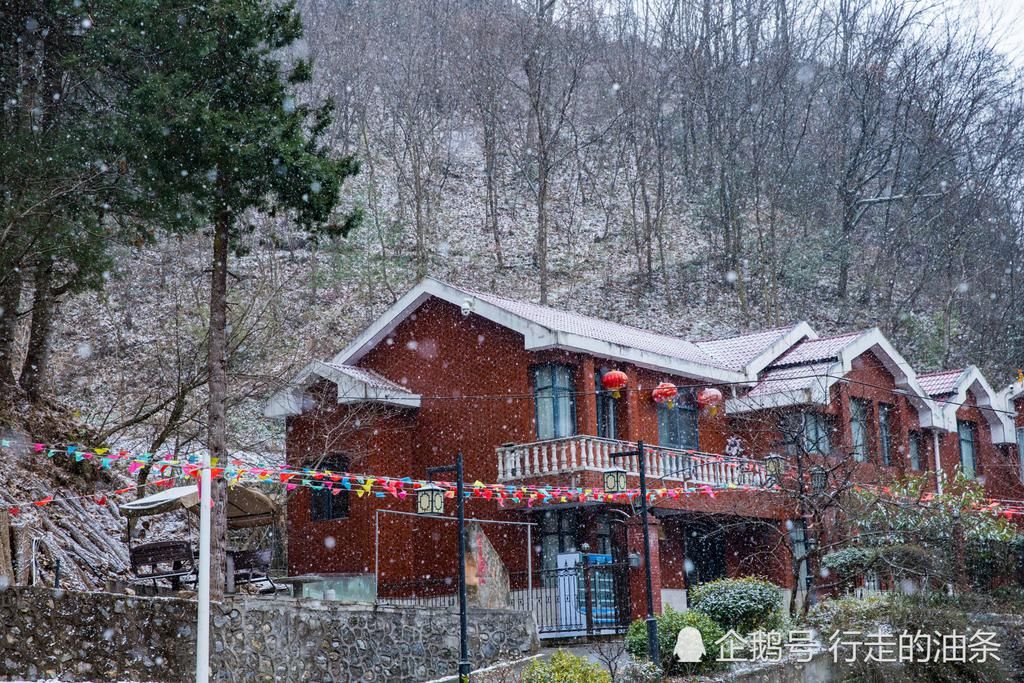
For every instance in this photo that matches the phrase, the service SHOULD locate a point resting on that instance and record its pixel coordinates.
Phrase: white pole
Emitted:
(203, 583)
(938, 462)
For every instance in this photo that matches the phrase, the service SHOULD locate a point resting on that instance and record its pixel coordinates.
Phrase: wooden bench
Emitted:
(163, 560)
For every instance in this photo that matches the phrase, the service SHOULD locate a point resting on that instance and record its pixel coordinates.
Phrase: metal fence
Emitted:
(588, 599)
(582, 600)
(442, 592)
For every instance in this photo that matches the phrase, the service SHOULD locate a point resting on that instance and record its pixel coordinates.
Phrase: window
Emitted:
(914, 450)
(603, 532)
(885, 432)
(859, 428)
(330, 503)
(1020, 451)
(557, 535)
(677, 426)
(555, 397)
(816, 429)
(806, 432)
(605, 410)
(968, 464)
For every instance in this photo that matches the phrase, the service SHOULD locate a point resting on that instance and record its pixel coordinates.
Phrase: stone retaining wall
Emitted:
(77, 636)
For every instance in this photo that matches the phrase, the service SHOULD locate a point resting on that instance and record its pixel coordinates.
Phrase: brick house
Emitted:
(516, 388)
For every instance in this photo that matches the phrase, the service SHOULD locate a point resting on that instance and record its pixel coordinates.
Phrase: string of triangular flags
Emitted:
(171, 466)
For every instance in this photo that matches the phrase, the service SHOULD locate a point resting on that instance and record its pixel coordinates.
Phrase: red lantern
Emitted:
(665, 392)
(711, 399)
(614, 381)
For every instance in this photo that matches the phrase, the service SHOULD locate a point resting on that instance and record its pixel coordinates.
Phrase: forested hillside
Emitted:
(697, 167)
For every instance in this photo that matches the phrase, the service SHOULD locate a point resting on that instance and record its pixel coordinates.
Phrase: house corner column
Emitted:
(638, 575)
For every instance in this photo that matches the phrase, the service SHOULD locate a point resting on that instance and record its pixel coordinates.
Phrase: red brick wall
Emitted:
(437, 352)
(997, 467)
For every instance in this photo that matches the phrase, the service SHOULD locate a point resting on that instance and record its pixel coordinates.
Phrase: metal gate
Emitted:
(588, 599)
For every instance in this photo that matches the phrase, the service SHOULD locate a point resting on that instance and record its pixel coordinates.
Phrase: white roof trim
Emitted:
(291, 399)
(818, 392)
(537, 337)
(800, 331)
(991, 404)
(1012, 392)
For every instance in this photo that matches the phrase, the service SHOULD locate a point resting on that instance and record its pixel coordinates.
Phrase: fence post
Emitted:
(589, 597)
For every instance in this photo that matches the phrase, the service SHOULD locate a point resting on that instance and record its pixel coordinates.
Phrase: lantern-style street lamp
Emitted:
(819, 479)
(430, 500)
(773, 466)
(615, 480)
(620, 483)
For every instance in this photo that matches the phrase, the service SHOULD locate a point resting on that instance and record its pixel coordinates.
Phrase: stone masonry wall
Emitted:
(76, 636)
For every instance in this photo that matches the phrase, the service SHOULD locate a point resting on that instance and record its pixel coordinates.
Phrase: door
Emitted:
(705, 553)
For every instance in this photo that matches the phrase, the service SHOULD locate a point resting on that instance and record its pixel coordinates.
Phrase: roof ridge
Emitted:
(646, 330)
(747, 334)
(936, 373)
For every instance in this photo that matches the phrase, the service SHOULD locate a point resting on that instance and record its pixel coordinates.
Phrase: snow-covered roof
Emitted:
(544, 327)
(753, 351)
(598, 329)
(789, 385)
(805, 373)
(941, 382)
(815, 350)
(354, 385)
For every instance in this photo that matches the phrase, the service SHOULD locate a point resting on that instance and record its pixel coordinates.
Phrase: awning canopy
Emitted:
(247, 507)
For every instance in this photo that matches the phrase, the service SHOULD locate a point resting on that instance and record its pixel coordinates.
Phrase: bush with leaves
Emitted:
(743, 605)
(565, 667)
(670, 623)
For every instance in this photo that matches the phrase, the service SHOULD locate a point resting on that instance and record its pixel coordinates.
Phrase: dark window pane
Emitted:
(859, 428)
(914, 452)
(326, 504)
(555, 401)
(884, 426)
(968, 464)
(678, 425)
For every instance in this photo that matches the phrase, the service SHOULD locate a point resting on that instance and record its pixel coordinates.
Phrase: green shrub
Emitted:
(670, 623)
(565, 667)
(743, 605)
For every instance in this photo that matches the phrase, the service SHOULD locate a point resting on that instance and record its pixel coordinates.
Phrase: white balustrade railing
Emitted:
(581, 453)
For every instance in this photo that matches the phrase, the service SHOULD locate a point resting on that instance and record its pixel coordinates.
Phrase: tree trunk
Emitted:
(542, 227)
(33, 372)
(6, 563)
(10, 299)
(218, 384)
(491, 175)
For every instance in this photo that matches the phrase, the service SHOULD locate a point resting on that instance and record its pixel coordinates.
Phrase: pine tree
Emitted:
(210, 121)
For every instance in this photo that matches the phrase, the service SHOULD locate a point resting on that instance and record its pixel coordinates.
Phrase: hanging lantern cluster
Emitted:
(666, 393)
(614, 381)
(710, 399)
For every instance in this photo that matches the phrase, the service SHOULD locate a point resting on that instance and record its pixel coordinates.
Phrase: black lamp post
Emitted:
(616, 478)
(430, 501)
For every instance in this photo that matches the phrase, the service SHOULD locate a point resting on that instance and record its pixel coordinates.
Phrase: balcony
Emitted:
(583, 453)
